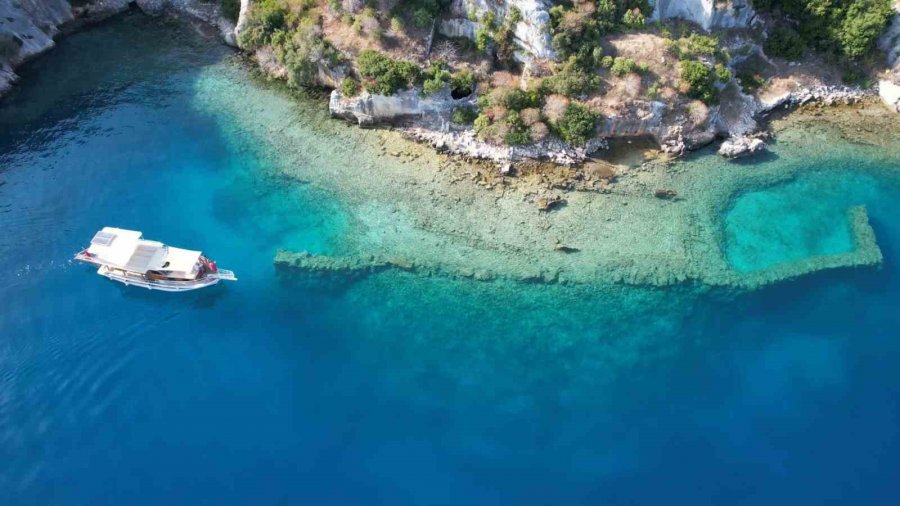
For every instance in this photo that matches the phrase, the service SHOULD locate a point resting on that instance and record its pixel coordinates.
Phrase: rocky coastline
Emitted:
(738, 122)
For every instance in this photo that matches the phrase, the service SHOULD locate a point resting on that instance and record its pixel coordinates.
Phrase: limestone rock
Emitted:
(707, 13)
(890, 94)
(736, 147)
(532, 34)
(368, 109)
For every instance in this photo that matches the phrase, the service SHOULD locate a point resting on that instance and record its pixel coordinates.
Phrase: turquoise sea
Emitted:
(400, 388)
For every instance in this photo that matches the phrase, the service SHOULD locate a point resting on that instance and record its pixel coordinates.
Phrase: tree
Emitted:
(577, 124)
(699, 81)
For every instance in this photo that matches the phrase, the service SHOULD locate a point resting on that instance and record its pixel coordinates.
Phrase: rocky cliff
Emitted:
(707, 13)
(532, 33)
(28, 27)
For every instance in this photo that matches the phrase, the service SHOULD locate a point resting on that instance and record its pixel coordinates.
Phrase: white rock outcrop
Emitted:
(736, 147)
(890, 94)
(368, 109)
(707, 13)
(532, 34)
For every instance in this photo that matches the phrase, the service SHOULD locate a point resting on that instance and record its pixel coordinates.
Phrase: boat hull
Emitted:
(165, 285)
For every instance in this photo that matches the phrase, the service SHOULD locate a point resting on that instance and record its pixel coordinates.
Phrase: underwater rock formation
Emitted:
(348, 269)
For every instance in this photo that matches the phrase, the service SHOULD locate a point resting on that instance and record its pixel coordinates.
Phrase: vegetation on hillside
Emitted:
(560, 97)
(845, 29)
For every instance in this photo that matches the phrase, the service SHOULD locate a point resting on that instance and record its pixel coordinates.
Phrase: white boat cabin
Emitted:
(118, 248)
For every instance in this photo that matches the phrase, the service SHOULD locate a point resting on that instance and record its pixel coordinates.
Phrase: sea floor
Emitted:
(620, 374)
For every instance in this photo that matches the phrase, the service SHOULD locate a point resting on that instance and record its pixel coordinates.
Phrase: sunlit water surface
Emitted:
(400, 389)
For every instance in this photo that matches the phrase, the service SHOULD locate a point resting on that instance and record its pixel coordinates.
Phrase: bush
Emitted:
(516, 99)
(633, 18)
(231, 9)
(397, 25)
(349, 87)
(623, 66)
(463, 115)
(701, 44)
(481, 123)
(462, 84)
(263, 20)
(699, 81)
(785, 43)
(384, 75)
(848, 29)
(436, 76)
(749, 81)
(577, 124)
(571, 80)
(422, 18)
(301, 51)
(482, 40)
(722, 73)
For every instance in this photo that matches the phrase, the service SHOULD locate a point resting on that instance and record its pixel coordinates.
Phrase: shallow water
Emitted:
(401, 389)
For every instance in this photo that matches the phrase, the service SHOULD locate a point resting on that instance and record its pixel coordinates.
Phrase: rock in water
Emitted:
(736, 147)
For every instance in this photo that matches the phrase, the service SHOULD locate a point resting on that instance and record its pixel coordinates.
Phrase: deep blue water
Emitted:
(398, 389)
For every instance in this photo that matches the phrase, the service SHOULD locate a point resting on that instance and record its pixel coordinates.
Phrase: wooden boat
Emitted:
(125, 256)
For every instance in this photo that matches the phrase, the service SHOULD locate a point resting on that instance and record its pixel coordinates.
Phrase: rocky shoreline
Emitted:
(737, 123)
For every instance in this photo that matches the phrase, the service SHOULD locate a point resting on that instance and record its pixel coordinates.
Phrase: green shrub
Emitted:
(749, 81)
(516, 99)
(482, 39)
(436, 77)
(607, 61)
(462, 84)
(722, 73)
(422, 18)
(263, 20)
(463, 115)
(384, 75)
(623, 66)
(576, 32)
(349, 87)
(701, 44)
(847, 29)
(633, 18)
(481, 123)
(231, 9)
(518, 136)
(699, 81)
(577, 124)
(397, 24)
(571, 80)
(784, 43)
(301, 51)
